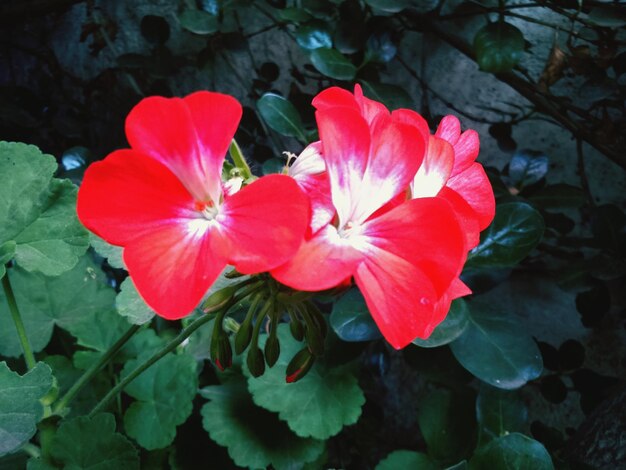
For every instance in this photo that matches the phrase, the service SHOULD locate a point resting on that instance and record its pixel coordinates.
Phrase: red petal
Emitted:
(334, 96)
(466, 216)
(473, 185)
(435, 170)
(442, 307)
(317, 188)
(322, 262)
(371, 110)
(449, 129)
(465, 151)
(408, 116)
(188, 136)
(120, 201)
(263, 225)
(174, 266)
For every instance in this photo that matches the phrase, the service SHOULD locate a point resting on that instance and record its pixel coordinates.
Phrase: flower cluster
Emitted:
(377, 199)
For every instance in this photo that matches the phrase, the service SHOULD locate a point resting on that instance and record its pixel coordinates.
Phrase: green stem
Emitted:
(17, 319)
(93, 370)
(239, 160)
(169, 347)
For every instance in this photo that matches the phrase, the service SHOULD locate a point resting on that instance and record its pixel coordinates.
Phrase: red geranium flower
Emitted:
(404, 259)
(163, 200)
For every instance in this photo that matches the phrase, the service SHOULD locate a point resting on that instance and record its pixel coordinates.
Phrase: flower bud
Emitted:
(255, 361)
(272, 350)
(223, 353)
(243, 337)
(299, 366)
(296, 328)
(218, 299)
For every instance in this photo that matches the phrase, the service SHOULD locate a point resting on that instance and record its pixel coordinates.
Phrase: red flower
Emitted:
(404, 259)
(163, 200)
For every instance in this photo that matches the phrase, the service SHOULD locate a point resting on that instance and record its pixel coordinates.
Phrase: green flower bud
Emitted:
(255, 361)
(272, 350)
(299, 366)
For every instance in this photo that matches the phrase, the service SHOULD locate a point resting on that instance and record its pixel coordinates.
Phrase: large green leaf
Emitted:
(198, 21)
(164, 396)
(281, 115)
(496, 349)
(20, 405)
(450, 329)
(351, 319)
(516, 229)
(131, 305)
(92, 443)
(407, 459)
(113, 254)
(512, 452)
(78, 301)
(38, 212)
(7, 252)
(333, 64)
(255, 438)
(499, 47)
(499, 412)
(319, 405)
(448, 423)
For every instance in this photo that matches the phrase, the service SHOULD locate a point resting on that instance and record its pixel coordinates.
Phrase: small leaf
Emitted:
(380, 48)
(318, 405)
(389, 6)
(281, 115)
(558, 196)
(450, 329)
(20, 405)
(527, 167)
(84, 442)
(405, 459)
(164, 396)
(255, 438)
(495, 348)
(499, 47)
(392, 96)
(273, 165)
(112, 253)
(351, 319)
(516, 229)
(448, 423)
(512, 452)
(198, 21)
(499, 412)
(333, 64)
(313, 35)
(130, 304)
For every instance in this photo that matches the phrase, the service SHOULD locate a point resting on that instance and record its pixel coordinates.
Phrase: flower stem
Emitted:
(239, 160)
(17, 319)
(169, 347)
(93, 370)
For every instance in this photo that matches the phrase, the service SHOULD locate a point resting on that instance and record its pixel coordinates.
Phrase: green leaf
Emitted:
(450, 329)
(20, 405)
(499, 47)
(92, 443)
(499, 412)
(333, 64)
(165, 393)
(319, 405)
(389, 6)
(281, 115)
(293, 15)
(131, 305)
(7, 252)
(392, 96)
(496, 349)
(255, 438)
(527, 167)
(273, 165)
(351, 319)
(313, 35)
(516, 229)
(405, 459)
(558, 196)
(112, 253)
(198, 21)
(38, 212)
(448, 423)
(512, 452)
(78, 301)
(608, 16)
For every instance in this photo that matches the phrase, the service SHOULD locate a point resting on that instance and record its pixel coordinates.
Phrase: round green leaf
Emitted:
(255, 438)
(112, 253)
(496, 349)
(83, 442)
(527, 167)
(499, 47)
(406, 459)
(281, 115)
(516, 229)
(448, 423)
(319, 405)
(313, 35)
(20, 405)
(131, 305)
(333, 64)
(499, 412)
(351, 319)
(512, 452)
(79, 301)
(164, 396)
(392, 96)
(450, 329)
(198, 21)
